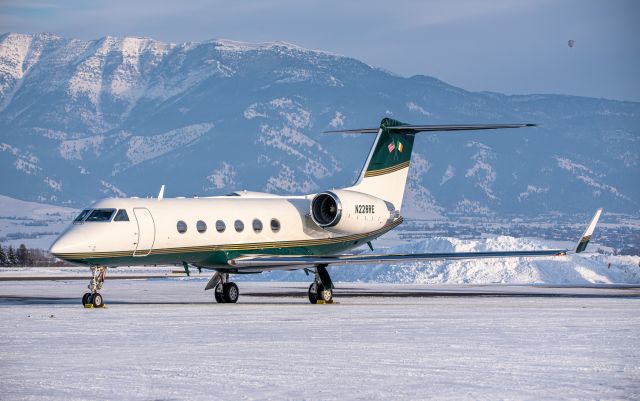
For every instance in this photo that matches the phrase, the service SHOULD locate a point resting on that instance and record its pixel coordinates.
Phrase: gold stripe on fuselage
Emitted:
(387, 170)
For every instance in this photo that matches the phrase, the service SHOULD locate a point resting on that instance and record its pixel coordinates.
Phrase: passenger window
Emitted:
(257, 225)
(201, 226)
(121, 216)
(81, 216)
(182, 227)
(238, 225)
(220, 226)
(275, 225)
(101, 215)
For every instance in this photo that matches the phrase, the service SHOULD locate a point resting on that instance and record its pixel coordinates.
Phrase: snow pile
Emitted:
(585, 268)
(588, 267)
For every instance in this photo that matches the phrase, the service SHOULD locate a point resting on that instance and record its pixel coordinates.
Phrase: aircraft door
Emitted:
(146, 231)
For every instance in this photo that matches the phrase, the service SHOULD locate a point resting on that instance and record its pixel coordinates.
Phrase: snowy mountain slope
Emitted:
(34, 224)
(80, 120)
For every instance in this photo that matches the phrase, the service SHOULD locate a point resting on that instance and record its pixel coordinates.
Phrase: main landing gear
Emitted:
(226, 292)
(321, 290)
(93, 299)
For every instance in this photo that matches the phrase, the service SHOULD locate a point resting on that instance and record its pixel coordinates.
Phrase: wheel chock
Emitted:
(88, 306)
(322, 302)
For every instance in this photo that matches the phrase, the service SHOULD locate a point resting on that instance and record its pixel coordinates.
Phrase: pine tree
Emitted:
(22, 256)
(11, 257)
(3, 257)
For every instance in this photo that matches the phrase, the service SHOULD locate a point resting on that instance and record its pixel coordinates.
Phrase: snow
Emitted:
(25, 160)
(109, 188)
(34, 224)
(532, 189)
(167, 339)
(448, 174)
(576, 269)
(234, 46)
(73, 149)
(468, 206)
(412, 106)
(482, 169)
(142, 148)
(286, 134)
(251, 113)
(585, 174)
(286, 181)
(10, 207)
(53, 184)
(222, 177)
(418, 202)
(337, 121)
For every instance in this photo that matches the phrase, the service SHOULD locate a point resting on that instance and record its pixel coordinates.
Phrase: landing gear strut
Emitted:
(93, 298)
(226, 292)
(321, 290)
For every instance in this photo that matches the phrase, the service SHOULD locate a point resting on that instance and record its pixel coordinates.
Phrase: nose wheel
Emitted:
(93, 299)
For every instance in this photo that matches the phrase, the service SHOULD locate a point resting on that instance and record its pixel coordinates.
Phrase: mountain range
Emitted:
(85, 119)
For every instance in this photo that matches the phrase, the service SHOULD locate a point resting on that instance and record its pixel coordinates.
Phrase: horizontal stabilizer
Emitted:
(432, 128)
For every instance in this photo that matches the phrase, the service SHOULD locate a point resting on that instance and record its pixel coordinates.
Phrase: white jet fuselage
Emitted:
(217, 229)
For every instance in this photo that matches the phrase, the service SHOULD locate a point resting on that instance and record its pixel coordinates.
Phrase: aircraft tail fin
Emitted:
(385, 172)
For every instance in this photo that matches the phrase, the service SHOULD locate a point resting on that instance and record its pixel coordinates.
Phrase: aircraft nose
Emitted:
(66, 245)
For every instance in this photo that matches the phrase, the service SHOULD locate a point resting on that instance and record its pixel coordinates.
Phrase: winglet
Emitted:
(584, 240)
(161, 193)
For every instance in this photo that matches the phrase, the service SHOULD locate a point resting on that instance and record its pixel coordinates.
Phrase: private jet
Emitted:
(254, 232)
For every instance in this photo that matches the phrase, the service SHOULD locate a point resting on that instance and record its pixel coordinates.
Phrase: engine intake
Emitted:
(326, 209)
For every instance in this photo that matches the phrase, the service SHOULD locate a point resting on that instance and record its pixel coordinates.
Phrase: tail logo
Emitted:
(392, 146)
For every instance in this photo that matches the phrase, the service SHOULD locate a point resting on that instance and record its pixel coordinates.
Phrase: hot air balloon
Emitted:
(571, 42)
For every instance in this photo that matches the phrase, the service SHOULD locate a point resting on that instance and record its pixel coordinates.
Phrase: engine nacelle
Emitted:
(350, 212)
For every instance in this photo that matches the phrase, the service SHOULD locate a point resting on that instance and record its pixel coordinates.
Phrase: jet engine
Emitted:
(350, 212)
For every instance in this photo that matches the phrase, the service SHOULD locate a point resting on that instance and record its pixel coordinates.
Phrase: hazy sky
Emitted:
(503, 46)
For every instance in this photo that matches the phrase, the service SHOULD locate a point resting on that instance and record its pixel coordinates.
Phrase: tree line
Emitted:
(23, 256)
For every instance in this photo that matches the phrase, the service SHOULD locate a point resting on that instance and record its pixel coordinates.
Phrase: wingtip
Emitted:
(586, 237)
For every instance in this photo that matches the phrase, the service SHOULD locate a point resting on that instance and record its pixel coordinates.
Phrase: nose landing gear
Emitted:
(321, 290)
(93, 299)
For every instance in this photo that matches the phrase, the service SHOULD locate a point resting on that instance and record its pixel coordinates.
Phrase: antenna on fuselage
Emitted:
(161, 193)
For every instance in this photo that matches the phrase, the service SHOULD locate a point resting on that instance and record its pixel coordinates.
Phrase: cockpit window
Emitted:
(100, 215)
(121, 216)
(81, 216)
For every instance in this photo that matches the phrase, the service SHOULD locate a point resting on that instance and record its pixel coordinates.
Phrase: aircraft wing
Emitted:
(274, 261)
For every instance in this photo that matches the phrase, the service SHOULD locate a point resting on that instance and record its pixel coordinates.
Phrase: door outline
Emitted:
(144, 210)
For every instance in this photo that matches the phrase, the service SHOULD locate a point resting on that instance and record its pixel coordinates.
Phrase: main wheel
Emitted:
(218, 294)
(97, 300)
(231, 293)
(313, 293)
(85, 298)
